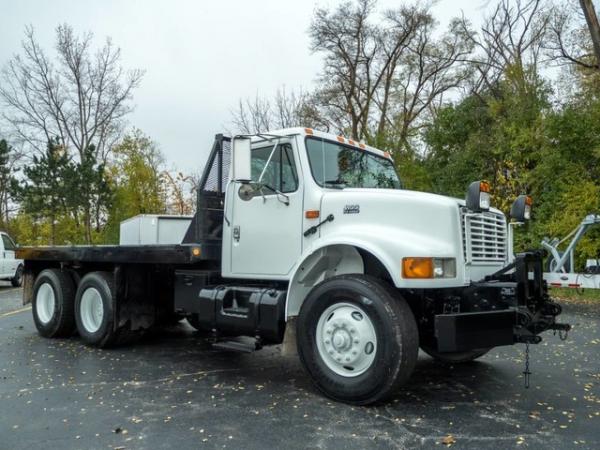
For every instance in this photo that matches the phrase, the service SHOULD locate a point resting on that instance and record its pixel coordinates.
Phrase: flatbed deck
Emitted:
(139, 254)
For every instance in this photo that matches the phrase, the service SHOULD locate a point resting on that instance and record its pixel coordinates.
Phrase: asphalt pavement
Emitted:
(173, 391)
(11, 298)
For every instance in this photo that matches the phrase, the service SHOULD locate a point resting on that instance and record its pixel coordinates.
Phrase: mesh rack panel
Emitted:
(207, 223)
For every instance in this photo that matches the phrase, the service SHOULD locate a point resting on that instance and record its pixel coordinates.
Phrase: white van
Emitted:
(11, 269)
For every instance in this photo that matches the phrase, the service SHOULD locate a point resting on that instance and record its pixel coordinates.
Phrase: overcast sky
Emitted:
(200, 56)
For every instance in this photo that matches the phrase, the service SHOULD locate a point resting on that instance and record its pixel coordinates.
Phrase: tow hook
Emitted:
(563, 330)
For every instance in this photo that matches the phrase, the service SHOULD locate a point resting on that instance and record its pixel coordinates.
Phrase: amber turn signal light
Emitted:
(417, 267)
(311, 214)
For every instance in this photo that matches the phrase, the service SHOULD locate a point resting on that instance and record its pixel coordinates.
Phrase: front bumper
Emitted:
(509, 306)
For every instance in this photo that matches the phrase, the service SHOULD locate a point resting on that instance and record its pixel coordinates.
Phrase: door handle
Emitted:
(236, 233)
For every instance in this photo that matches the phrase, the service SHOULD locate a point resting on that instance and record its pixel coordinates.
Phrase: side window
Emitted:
(280, 172)
(8, 243)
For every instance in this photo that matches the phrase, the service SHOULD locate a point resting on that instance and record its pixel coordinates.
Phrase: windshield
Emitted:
(338, 165)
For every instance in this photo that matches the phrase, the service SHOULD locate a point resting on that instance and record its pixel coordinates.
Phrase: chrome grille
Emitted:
(484, 237)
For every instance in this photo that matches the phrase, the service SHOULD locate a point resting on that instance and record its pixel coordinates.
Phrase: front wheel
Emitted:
(357, 338)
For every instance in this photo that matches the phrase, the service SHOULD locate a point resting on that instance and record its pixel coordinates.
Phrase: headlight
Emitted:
(444, 267)
(420, 267)
(521, 208)
(478, 196)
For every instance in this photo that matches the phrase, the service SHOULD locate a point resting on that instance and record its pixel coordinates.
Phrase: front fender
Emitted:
(337, 254)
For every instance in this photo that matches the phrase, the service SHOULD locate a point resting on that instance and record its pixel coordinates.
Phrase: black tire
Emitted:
(17, 280)
(455, 357)
(194, 322)
(395, 328)
(105, 335)
(61, 319)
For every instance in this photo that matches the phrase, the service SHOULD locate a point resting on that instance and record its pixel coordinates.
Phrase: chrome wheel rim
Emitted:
(45, 303)
(346, 339)
(91, 310)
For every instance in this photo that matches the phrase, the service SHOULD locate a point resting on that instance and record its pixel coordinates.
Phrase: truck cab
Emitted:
(302, 233)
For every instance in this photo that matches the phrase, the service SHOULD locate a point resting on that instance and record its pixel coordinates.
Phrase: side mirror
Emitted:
(521, 208)
(241, 159)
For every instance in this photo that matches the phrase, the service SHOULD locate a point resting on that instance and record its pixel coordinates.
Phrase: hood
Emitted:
(427, 224)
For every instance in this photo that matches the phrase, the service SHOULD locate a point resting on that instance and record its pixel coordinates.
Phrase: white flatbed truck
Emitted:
(302, 229)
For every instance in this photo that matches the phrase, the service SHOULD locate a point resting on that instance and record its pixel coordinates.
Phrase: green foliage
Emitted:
(70, 196)
(48, 187)
(498, 136)
(136, 182)
(512, 137)
(7, 181)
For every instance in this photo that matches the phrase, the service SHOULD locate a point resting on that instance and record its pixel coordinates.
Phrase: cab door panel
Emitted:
(266, 233)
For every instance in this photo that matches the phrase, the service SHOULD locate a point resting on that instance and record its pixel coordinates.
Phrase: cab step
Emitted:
(245, 346)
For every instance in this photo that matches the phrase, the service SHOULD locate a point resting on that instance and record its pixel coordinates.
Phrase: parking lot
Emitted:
(172, 391)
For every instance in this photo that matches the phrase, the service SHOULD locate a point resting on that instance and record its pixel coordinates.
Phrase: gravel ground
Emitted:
(172, 391)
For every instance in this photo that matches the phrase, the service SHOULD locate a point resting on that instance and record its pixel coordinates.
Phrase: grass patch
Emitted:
(575, 294)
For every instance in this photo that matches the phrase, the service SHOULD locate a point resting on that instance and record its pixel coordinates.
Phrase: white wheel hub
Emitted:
(346, 339)
(45, 302)
(91, 310)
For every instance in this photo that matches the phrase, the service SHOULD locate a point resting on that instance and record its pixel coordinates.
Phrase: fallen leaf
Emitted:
(448, 440)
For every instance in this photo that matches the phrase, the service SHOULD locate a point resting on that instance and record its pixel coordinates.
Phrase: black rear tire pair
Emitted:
(397, 338)
(66, 317)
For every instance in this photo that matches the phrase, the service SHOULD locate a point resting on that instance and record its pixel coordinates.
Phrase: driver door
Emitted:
(266, 237)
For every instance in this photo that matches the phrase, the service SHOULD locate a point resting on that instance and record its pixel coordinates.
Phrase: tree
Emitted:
(48, 186)
(136, 181)
(575, 36)
(499, 137)
(7, 181)
(94, 194)
(380, 78)
(180, 192)
(285, 110)
(511, 37)
(81, 97)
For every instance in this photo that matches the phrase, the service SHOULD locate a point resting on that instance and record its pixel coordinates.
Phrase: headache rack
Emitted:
(207, 224)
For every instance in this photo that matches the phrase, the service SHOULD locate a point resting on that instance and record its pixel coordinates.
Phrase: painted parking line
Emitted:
(16, 311)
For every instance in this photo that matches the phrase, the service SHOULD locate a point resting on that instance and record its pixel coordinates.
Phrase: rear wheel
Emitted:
(17, 280)
(455, 357)
(357, 338)
(53, 304)
(94, 313)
